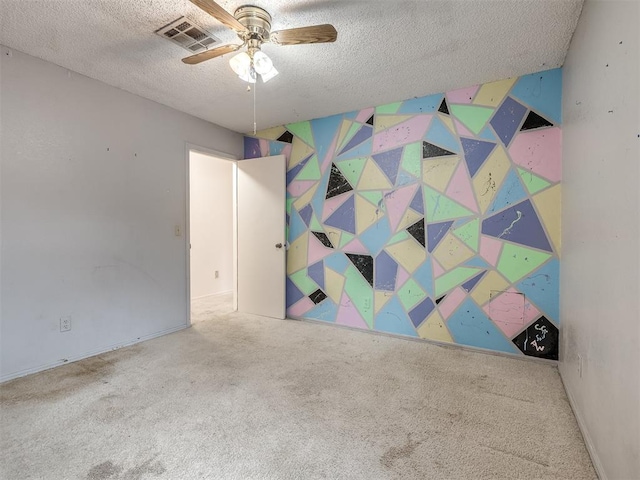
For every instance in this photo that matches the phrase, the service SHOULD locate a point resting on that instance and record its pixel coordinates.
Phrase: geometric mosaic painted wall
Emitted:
(436, 217)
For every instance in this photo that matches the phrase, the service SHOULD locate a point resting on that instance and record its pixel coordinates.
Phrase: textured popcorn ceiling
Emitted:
(386, 51)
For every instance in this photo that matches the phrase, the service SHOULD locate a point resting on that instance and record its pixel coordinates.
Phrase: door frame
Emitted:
(190, 147)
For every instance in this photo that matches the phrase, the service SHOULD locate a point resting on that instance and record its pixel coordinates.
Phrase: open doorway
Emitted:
(211, 235)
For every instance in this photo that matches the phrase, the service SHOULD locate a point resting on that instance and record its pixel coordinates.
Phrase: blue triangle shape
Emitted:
(393, 319)
(376, 236)
(442, 136)
(325, 311)
(324, 131)
(510, 193)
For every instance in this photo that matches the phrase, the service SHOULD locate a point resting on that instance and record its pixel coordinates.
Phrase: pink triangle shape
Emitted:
(355, 246)
(460, 189)
(298, 187)
(462, 130)
(396, 203)
(365, 115)
(462, 95)
(401, 277)
(348, 314)
(490, 249)
(437, 268)
(301, 307)
(333, 203)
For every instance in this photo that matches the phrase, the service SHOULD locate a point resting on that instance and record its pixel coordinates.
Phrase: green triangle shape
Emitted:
(388, 109)
(517, 261)
(411, 294)
(289, 203)
(374, 196)
(469, 233)
(352, 169)
(398, 237)
(345, 238)
(303, 282)
(473, 117)
(311, 171)
(302, 130)
(360, 292)
(314, 224)
(440, 207)
(412, 158)
(453, 278)
(355, 128)
(532, 182)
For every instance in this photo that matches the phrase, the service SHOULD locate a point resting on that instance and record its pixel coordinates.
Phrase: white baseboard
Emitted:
(75, 358)
(226, 292)
(457, 346)
(595, 460)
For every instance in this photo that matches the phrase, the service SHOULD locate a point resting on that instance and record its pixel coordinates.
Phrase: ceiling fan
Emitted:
(253, 25)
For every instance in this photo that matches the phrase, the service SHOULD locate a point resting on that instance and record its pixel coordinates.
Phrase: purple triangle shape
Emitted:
(363, 134)
(291, 174)
(420, 313)
(344, 217)
(293, 293)
(305, 214)
(469, 284)
(435, 233)
(316, 273)
(507, 118)
(475, 153)
(417, 203)
(518, 224)
(386, 270)
(389, 162)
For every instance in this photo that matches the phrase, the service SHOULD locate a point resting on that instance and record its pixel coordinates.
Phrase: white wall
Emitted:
(211, 224)
(599, 288)
(93, 185)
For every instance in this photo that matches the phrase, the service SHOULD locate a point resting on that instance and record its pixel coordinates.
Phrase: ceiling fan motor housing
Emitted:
(258, 23)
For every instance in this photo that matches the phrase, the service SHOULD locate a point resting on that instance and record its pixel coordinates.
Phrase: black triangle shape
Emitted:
(323, 238)
(540, 339)
(337, 183)
(430, 150)
(370, 121)
(317, 296)
(440, 299)
(535, 121)
(443, 107)
(287, 137)
(364, 264)
(417, 231)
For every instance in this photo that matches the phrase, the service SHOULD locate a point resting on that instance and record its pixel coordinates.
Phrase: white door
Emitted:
(261, 190)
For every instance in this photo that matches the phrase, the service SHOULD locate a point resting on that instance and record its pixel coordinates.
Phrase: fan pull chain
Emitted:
(254, 107)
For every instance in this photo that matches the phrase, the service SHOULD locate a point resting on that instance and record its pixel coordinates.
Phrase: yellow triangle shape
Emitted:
(334, 235)
(434, 328)
(380, 299)
(408, 253)
(366, 214)
(549, 205)
(344, 129)
(297, 254)
(306, 197)
(299, 152)
(451, 252)
(446, 119)
(492, 282)
(437, 172)
(488, 179)
(334, 284)
(382, 122)
(372, 178)
(410, 217)
(271, 133)
(492, 94)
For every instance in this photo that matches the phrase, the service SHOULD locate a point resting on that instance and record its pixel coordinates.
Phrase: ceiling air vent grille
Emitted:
(188, 35)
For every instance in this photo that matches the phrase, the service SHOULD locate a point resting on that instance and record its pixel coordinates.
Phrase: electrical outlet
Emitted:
(65, 324)
(216, 274)
(580, 365)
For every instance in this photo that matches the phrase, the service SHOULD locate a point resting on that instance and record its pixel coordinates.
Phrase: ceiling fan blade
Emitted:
(224, 17)
(296, 36)
(209, 54)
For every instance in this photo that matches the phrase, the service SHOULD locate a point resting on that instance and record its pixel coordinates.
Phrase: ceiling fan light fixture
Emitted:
(262, 62)
(241, 64)
(269, 75)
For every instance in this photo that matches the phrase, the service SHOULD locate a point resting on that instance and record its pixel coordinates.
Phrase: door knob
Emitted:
(278, 245)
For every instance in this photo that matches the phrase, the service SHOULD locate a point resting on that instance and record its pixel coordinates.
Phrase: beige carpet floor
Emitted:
(244, 397)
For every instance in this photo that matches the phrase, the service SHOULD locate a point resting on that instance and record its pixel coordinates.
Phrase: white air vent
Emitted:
(188, 35)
